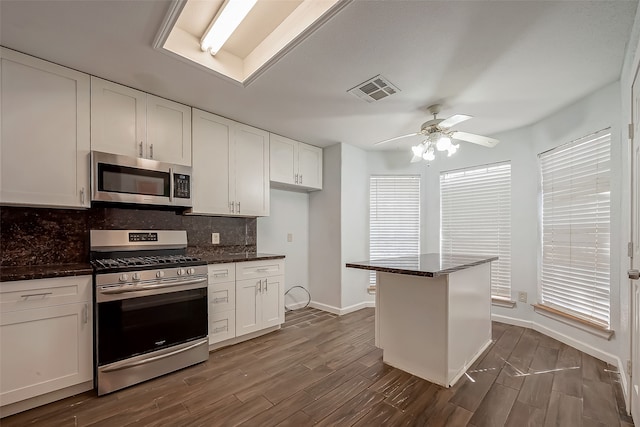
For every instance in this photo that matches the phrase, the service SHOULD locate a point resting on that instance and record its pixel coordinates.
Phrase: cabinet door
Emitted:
(44, 350)
(211, 139)
(310, 166)
(168, 131)
(248, 306)
(250, 171)
(118, 119)
(44, 153)
(283, 156)
(272, 301)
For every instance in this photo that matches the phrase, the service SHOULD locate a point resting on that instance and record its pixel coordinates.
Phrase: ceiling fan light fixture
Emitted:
(453, 148)
(418, 150)
(444, 143)
(429, 155)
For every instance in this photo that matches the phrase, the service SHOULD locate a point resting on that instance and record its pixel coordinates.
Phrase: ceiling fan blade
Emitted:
(397, 137)
(475, 139)
(454, 120)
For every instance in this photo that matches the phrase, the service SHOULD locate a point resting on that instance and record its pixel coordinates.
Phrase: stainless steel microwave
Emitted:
(123, 179)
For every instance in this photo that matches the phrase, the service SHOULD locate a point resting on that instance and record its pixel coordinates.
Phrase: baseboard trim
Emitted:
(344, 310)
(43, 399)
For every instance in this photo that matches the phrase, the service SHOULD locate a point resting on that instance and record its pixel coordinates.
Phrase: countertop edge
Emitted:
(435, 273)
(34, 272)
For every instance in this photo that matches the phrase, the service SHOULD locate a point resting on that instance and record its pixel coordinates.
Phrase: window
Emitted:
(475, 218)
(394, 217)
(576, 201)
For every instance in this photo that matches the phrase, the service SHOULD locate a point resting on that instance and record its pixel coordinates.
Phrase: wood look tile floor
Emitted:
(321, 369)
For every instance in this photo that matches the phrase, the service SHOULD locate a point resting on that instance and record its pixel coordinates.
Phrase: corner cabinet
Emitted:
(46, 336)
(45, 136)
(294, 165)
(230, 167)
(129, 122)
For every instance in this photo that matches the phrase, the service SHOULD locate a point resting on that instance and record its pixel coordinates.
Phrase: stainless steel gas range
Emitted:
(150, 306)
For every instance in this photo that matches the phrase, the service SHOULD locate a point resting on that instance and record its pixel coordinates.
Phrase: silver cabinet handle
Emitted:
(41, 294)
(220, 274)
(82, 196)
(171, 184)
(260, 270)
(259, 285)
(634, 274)
(140, 148)
(300, 178)
(238, 207)
(296, 179)
(266, 285)
(85, 314)
(151, 151)
(220, 329)
(220, 299)
(232, 207)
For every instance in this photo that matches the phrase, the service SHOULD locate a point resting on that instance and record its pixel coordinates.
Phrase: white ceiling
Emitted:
(508, 64)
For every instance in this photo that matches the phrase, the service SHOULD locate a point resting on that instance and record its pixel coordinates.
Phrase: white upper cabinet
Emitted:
(44, 155)
(230, 167)
(295, 165)
(133, 123)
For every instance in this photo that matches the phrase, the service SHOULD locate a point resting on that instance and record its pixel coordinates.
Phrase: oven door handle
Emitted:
(120, 290)
(125, 364)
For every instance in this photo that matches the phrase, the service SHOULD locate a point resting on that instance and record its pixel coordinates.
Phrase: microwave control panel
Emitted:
(182, 186)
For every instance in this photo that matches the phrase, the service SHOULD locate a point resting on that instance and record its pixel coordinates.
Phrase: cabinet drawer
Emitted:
(222, 297)
(219, 273)
(259, 269)
(222, 326)
(28, 294)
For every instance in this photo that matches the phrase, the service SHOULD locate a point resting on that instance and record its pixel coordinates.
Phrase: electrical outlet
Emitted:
(290, 237)
(215, 238)
(522, 296)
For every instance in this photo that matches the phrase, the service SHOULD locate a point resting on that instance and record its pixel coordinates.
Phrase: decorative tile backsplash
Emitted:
(41, 236)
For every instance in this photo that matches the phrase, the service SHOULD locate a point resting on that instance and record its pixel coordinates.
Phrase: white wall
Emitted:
(355, 226)
(324, 234)
(289, 215)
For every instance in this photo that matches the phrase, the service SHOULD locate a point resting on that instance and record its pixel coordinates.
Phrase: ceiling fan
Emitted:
(438, 136)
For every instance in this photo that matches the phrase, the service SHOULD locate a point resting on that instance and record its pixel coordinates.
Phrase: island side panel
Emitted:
(412, 324)
(469, 318)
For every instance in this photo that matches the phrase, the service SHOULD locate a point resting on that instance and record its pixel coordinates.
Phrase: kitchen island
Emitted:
(433, 312)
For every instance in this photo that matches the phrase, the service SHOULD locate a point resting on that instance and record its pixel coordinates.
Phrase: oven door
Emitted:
(133, 326)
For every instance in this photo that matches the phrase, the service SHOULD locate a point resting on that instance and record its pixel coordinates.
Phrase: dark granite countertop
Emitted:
(427, 265)
(225, 258)
(29, 272)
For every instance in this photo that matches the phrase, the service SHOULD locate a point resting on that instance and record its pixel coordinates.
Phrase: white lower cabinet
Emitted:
(259, 298)
(46, 336)
(245, 297)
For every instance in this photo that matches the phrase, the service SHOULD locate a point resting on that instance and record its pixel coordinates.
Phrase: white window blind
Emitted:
(394, 217)
(576, 205)
(475, 218)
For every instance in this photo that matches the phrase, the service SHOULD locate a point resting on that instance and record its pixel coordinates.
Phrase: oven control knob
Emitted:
(191, 271)
(160, 274)
(124, 277)
(181, 272)
(136, 276)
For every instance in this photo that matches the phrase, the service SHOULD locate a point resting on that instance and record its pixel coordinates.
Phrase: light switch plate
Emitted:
(289, 237)
(522, 296)
(215, 238)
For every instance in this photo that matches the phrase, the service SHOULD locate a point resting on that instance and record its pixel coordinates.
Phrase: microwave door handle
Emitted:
(171, 185)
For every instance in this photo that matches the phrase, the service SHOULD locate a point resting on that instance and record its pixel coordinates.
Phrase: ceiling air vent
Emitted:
(374, 89)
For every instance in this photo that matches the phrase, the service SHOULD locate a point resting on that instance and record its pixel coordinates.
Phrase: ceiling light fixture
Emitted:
(435, 141)
(225, 23)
